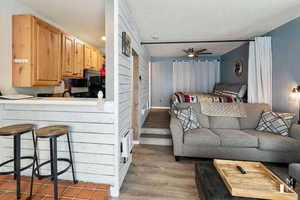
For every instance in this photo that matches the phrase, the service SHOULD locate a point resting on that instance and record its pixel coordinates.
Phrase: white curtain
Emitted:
(195, 76)
(260, 71)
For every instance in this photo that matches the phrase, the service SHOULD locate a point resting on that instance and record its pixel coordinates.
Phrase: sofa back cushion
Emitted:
(253, 112)
(203, 119)
(224, 123)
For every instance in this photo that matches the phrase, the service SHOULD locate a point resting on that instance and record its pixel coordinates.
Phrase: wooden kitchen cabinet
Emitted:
(93, 58)
(87, 56)
(73, 57)
(79, 59)
(36, 52)
(68, 55)
(100, 60)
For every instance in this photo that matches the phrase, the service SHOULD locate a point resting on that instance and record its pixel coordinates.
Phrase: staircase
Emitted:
(156, 129)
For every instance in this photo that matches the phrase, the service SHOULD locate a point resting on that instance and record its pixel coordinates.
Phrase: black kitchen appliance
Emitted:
(79, 82)
(96, 84)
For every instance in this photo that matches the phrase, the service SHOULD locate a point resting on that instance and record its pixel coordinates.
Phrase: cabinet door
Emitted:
(68, 55)
(87, 56)
(94, 59)
(47, 69)
(79, 57)
(21, 48)
(100, 60)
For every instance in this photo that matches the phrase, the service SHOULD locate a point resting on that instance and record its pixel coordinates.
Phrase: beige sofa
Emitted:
(234, 138)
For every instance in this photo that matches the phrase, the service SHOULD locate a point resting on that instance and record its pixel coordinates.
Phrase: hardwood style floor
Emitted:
(154, 175)
(157, 118)
(156, 129)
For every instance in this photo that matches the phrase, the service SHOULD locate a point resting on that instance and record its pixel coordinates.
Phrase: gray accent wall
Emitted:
(227, 65)
(286, 65)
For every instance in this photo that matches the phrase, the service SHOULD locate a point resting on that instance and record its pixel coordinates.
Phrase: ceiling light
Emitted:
(154, 37)
(103, 38)
(191, 55)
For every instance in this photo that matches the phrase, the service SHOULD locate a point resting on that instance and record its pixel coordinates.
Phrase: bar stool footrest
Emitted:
(37, 169)
(12, 160)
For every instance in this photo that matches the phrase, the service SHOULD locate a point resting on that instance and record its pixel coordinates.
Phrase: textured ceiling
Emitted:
(173, 20)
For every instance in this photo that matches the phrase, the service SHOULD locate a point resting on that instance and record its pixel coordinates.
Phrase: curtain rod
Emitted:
(186, 42)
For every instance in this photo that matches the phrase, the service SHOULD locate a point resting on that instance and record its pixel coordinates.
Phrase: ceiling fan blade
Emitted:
(201, 50)
(205, 53)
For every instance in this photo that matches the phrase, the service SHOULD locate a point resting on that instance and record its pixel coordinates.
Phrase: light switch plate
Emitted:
(21, 60)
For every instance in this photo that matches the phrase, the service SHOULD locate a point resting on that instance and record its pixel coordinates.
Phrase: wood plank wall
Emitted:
(125, 76)
(92, 137)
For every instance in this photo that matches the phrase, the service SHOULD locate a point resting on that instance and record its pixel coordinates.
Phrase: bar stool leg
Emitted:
(17, 164)
(33, 167)
(71, 159)
(35, 161)
(54, 166)
(51, 157)
(15, 157)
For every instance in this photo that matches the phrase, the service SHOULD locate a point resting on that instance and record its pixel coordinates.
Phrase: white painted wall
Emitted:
(92, 136)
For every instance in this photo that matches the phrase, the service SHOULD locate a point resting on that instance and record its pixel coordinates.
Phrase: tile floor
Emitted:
(43, 190)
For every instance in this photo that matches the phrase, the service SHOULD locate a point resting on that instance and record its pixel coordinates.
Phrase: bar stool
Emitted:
(53, 132)
(16, 131)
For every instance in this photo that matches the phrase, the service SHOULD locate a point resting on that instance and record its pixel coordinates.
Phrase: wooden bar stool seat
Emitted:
(16, 131)
(53, 132)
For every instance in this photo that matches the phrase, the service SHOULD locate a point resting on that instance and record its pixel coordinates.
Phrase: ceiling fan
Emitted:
(192, 53)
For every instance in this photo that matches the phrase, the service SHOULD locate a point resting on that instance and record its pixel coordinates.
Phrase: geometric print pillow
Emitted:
(187, 117)
(278, 123)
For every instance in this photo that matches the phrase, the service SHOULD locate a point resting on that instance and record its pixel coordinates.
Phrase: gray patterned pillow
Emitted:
(278, 123)
(187, 117)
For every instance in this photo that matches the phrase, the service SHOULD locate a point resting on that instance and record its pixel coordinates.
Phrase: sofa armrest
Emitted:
(295, 131)
(177, 135)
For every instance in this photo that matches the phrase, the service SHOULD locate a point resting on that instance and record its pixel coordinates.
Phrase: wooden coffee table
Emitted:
(258, 182)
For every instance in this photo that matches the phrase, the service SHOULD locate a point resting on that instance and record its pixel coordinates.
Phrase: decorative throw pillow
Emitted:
(187, 117)
(278, 123)
(242, 91)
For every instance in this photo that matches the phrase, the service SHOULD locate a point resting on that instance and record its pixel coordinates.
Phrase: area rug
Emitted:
(210, 185)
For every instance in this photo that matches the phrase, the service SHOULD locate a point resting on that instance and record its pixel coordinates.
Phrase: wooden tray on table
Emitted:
(258, 182)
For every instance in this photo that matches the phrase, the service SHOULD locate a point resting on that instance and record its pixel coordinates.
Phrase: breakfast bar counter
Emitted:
(92, 134)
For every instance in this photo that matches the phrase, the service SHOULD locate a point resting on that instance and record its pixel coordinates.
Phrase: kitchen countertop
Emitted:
(58, 101)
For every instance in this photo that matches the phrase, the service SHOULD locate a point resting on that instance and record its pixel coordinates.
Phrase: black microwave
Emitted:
(79, 82)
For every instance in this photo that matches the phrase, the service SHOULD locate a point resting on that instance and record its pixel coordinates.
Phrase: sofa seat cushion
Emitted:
(270, 142)
(236, 138)
(201, 136)
(224, 123)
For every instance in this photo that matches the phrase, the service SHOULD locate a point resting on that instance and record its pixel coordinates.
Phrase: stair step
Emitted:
(159, 131)
(155, 136)
(155, 139)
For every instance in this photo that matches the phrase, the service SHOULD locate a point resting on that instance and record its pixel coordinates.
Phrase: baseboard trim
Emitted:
(136, 142)
(157, 107)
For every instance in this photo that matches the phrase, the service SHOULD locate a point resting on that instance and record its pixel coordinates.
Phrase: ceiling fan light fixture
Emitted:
(190, 55)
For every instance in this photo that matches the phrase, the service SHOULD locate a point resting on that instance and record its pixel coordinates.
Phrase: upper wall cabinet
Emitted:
(93, 58)
(73, 57)
(36, 52)
(79, 59)
(68, 55)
